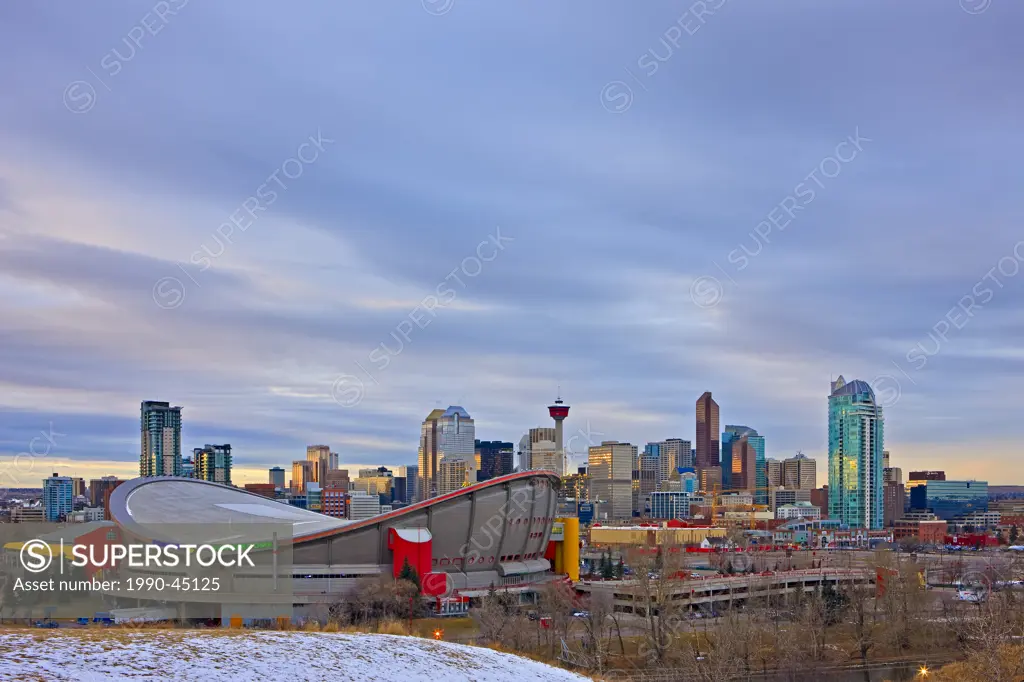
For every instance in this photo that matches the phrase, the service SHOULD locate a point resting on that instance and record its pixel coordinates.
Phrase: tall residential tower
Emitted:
(161, 439)
(855, 440)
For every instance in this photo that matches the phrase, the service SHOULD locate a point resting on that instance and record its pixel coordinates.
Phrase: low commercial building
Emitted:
(799, 510)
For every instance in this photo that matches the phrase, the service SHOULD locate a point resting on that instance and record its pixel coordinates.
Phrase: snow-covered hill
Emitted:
(88, 655)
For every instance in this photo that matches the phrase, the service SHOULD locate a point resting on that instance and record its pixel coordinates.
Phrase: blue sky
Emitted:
(232, 206)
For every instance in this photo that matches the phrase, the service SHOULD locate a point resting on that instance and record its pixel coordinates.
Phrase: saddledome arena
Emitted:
(495, 533)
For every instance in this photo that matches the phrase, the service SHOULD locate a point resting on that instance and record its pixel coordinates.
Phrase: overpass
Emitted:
(710, 593)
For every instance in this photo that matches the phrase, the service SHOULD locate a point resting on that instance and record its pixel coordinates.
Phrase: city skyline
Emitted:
(251, 473)
(626, 240)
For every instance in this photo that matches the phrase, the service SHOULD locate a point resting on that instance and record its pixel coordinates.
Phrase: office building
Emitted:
(710, 479)
(161, 439)
(99, 490)
(188, 467)
(916, 478)
(302, 473)
(58, 498)
(496, 458)
(577, 486)
(673, 454)
(707, 443)
(400, 491)
(338, 478)
(819, 498)
(950, 500)
(362, 506)
(743, 459)
(894, 497)
(800, 472)
(759, 477)
(610, 470)
(453, 474)
(412, 482)
(892, 475)
(321, 461)
(445, 434)
(314, 497)
(213, 463)
(539, 450)
(379, 481)
(798, 510)
(276, 476)
(779, 497)
(773, 472)
(267, 490)
(644, 481)
(334, 501)
(78, 487)
(671, 505)
(855, 437)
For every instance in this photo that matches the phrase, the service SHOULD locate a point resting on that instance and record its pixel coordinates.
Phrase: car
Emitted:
(581, 614)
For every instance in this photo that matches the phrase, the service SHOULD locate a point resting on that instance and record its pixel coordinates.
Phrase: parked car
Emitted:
(581, 614)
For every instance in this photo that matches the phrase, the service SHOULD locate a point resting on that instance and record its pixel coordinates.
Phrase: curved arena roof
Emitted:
(156, 507)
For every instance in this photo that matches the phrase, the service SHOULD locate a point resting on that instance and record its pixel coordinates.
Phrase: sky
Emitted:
(316, 222)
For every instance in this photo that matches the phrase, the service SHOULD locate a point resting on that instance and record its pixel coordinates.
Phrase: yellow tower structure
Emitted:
(567, 550)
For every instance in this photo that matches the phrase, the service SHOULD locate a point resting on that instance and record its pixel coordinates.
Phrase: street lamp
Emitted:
(923, 672)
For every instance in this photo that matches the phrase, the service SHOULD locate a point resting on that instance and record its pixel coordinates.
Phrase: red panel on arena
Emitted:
(412, 544)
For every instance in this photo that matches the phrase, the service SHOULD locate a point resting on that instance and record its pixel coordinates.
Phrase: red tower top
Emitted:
(558, 411)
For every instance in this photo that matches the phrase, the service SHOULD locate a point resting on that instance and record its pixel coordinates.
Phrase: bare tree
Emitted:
(557, 601)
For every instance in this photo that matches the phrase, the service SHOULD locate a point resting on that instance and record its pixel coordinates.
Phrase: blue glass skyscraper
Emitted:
(732, 434)
(855, 445)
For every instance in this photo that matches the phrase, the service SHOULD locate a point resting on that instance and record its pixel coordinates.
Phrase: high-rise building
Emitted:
(495, 458)
(673, 454)
(800, 472)
(744, 465)
(302, 473)
(412, 478)
(453, 474)
(577, 486)
(78, 488)
(429, 455)
(338, 478)
(707, 443)
(58, 498)
(321, 461)
(855, 445)
(759, 480)
(99, 488)
(773, 471)
(538, 449)
(644, 480)
(362, 506)
(610, 470)
(379, 481)
(161, 439)
(276, 477)
(213, 463)
(445, 434)
(709, 479)
(894, 496)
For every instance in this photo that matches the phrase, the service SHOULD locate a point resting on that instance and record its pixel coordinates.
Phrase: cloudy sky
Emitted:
(317, 221)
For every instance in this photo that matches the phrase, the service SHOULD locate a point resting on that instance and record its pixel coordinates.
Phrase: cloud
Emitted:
(447, 129)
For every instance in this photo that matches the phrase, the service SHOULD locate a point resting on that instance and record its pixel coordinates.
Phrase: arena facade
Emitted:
(496, 533)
